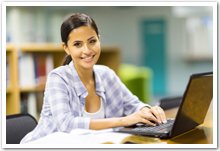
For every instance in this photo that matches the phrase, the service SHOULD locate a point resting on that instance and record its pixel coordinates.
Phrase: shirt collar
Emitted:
(79, 86)
(99, 83)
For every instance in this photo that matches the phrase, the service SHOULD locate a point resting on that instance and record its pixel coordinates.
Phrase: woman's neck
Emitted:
(85, 75)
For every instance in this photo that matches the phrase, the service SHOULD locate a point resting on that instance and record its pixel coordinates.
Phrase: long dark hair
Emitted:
(74, 21)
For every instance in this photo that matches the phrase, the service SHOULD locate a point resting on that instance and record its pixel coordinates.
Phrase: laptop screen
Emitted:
(195, 103)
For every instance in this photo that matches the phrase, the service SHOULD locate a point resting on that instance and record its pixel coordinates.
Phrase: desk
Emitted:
(202, 134)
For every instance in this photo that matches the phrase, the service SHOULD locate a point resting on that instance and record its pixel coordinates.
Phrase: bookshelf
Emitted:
(198, 58)
(12, 89)
(41, 50)
(31, 94)
(111, 57)
(25, 97)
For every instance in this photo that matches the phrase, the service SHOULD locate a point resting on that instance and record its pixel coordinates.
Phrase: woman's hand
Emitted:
(147, 115)
(157, 112)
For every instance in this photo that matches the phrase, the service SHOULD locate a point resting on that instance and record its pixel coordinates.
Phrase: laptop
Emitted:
(191, 113)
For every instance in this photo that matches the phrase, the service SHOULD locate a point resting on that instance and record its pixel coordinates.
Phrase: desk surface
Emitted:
(202, 134)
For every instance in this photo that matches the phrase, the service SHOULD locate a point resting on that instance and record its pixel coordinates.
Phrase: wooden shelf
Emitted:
(9, 90)
(17, 94)
(111, 57)
(12, 91)
(10, 47)
(32, 89)
(201, 58)
(41, 47)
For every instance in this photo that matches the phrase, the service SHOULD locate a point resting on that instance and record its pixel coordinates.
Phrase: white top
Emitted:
(96, 115)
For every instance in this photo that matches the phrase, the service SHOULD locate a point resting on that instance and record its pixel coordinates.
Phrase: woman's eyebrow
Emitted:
(77, 41)
(91, 38)
(81, 41)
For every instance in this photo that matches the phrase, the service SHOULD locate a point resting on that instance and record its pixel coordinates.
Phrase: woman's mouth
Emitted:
(88, 58)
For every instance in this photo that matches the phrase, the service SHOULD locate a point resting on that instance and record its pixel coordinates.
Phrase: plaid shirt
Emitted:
(64, 100)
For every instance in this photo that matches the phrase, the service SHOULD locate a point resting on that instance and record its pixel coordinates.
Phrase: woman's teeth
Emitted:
(87, 58)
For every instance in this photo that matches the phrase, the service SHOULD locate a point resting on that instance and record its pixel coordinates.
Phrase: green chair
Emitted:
(138, 80)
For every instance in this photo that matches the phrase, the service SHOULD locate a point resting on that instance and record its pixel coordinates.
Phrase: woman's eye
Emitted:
(77, 44)
(93, 41)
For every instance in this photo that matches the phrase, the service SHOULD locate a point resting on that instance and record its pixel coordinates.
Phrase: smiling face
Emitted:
(84, 47)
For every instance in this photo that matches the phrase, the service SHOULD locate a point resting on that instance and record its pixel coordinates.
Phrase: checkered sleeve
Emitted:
(58, 97)
(120, 94)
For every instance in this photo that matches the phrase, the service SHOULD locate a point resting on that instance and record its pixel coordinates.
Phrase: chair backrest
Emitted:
(17, 126)
(170, 102)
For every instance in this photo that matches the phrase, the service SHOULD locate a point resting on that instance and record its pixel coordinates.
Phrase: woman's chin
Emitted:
(88, 65)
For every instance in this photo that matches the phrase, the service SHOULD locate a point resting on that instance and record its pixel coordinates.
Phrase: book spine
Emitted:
(49, 64)
(26, 71)
(40, 69)
(32, 104)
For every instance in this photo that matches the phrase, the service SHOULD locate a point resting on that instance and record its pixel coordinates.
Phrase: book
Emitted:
(26, 70)
(39, 100)
(29, 104)
(32, 104)
(40, 68)
(23, 103)
(49, 63)
(43, 64)
(85, 136)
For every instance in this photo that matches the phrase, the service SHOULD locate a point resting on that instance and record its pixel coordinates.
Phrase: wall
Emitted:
(118, 26)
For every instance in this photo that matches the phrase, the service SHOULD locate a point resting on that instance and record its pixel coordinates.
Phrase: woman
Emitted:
(80, 94)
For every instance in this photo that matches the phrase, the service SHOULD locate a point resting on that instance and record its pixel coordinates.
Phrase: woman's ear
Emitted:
(65, 48)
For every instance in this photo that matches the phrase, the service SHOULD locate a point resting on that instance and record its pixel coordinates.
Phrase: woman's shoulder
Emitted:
(102, 69)
(62, 71)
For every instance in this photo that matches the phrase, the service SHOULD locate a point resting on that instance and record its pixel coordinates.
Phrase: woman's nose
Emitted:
(86, 49)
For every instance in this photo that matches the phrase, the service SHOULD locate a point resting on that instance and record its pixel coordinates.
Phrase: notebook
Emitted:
(191, 113)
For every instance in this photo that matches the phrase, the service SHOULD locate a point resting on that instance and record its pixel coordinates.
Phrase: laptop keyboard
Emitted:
(158, 128)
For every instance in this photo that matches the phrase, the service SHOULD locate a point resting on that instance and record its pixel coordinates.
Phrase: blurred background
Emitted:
(153, 49)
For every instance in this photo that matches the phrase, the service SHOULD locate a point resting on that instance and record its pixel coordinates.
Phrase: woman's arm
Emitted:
(134, 111)
(145, 115)
(98, 124)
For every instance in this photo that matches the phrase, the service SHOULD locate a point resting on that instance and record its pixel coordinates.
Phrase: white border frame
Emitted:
(115, 3)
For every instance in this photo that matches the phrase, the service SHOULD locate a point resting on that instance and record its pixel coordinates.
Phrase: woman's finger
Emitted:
(159, 113)
(149, 116)
(162, 114)
(146, 121)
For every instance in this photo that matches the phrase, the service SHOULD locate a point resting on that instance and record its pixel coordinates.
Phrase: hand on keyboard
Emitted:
(152, 116)
(158, 127)
(157, 114)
